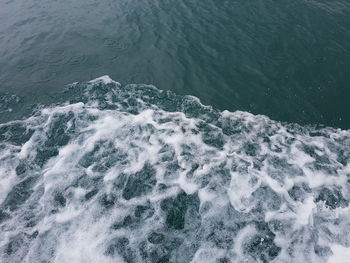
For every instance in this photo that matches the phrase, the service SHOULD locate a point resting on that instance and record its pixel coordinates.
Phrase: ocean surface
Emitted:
(175, 131)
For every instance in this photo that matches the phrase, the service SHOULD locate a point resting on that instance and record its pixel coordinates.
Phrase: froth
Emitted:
(135, 174)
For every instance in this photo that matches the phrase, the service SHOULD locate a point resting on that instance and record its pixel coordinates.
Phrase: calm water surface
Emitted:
(288, 60)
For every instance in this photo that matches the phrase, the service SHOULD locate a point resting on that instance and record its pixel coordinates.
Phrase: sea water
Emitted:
(132, 173)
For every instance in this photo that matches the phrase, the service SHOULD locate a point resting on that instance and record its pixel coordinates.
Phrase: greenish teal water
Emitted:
(112, 169)
(288, 60)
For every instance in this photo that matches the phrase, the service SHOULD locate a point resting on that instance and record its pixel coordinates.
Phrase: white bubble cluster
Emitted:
(135, 174)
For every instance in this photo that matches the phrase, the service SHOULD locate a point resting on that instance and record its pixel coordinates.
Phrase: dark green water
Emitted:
(121, 171)
(289, 60)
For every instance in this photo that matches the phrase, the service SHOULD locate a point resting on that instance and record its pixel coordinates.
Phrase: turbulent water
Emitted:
(130, 173)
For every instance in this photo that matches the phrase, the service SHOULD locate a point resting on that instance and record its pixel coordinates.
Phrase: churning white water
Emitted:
(135, 174)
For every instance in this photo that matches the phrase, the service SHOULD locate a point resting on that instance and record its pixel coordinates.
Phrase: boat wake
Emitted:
(131, 173)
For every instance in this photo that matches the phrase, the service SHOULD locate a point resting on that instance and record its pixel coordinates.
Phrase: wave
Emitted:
(114, 173)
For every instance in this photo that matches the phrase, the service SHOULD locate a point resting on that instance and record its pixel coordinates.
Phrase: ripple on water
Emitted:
(43, 75)
(116, 44)
(140, 78)
(77, 59)
(26, 62)
(55, 56)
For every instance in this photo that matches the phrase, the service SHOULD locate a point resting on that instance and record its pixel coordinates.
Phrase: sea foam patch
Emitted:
(131, 173)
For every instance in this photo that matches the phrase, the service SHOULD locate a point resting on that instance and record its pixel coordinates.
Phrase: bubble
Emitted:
(130, 173)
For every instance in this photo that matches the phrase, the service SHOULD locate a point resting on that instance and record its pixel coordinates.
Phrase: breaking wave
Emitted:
(131, 173)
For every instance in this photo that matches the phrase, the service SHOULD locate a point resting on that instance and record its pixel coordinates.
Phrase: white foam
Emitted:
(241, 189)
(67, 215)
(243, 235)
(103, 79)
(238, 177)
(305, 212)
(341, 254)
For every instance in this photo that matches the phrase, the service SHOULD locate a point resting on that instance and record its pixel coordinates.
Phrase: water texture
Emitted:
(286, 59)
(131, 173)
(103, 171)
